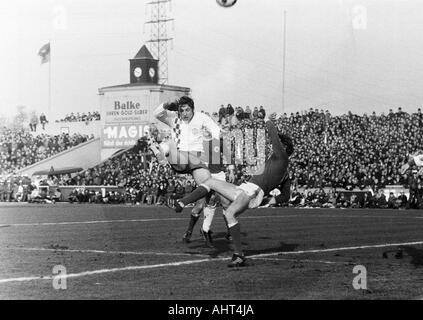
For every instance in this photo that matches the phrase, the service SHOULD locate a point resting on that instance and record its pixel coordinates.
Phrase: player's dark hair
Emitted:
(287, 142)
(186, 100)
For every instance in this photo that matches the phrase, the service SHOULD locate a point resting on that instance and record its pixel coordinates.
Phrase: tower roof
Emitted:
(143, 53)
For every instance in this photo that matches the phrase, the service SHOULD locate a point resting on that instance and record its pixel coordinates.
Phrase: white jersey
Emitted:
(418, 159)
(189, 135)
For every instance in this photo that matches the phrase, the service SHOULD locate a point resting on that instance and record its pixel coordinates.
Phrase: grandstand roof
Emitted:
(65, 170)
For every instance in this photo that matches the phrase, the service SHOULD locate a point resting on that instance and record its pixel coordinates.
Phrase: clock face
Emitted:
(137, 72)
(152, 72)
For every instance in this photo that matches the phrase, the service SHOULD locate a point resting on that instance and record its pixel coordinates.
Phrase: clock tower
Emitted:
(143, 68)
(127, 109)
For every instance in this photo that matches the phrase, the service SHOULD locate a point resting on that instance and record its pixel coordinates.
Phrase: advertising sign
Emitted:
(121, 135)
(126, 109)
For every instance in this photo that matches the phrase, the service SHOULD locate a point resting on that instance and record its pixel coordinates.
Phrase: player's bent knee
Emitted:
(196, 211)
(224, 202)
(201, 175)
(230, 218)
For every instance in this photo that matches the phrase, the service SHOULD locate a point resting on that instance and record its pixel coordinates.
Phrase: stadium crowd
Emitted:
(72, 117)
(19, 148)
(334, 156)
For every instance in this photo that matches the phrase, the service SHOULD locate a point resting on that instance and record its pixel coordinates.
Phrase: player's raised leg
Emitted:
(206, 184)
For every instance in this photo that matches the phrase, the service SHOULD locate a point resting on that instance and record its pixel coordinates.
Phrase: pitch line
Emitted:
(340, 249)
(190, 262)
(113, 221)
(109, 252)
(101, 271)
(184, 218)
(298, 260)
(86, 222)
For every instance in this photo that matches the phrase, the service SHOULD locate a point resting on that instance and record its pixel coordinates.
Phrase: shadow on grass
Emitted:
(283, 247)
(221, 245)
(415, 254)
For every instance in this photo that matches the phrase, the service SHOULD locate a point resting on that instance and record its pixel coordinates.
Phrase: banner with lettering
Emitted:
(126, 108)
(122, 135)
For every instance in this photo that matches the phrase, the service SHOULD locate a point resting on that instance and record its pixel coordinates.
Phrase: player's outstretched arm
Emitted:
(278, 148)
(166, 112)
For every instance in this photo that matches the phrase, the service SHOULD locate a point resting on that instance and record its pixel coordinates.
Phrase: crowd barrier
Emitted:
(66, 190)
(395, 189)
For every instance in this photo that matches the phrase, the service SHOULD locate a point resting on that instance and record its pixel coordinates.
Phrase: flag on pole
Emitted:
(44, 53)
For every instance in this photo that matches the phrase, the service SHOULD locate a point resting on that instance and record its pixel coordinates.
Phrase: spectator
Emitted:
(255, 113)
(262, 113)
(403, 198)
(392, 201)
(33, 122)
(355, 203)
(342, 201)
(381, 200)
(43, 120)
(222, 113)
(230, 112)
(239, 114)
(73, 196)
(171, 193)
(367, 201)
(56, 195)
(247, 112)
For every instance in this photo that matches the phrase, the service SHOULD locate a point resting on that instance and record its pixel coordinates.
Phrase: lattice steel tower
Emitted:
(158, 35)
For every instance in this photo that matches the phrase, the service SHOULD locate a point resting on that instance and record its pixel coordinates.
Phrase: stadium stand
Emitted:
(339, 161)
(72, 117)
(19, 148)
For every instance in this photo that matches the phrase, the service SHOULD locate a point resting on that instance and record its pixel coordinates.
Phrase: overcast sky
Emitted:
(340, 54)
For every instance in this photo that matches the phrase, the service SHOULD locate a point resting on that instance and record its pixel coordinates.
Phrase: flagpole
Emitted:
(49, 82)
(283, 61)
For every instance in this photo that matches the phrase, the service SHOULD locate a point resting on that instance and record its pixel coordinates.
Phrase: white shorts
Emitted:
(253, 191)
(219, 176)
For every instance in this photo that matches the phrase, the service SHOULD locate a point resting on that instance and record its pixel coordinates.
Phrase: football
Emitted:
(165, 148)
(226, 3)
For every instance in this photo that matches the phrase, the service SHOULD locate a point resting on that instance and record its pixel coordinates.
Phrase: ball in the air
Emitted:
(165, 148)
(226, 3)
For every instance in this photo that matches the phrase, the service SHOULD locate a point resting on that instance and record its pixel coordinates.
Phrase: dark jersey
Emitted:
(285, 189)
(276, 166)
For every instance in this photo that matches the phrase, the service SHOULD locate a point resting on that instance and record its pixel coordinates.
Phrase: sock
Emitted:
(192, 222)
(226, 221)
(198, 193)
(208, 218)
(236, 236)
